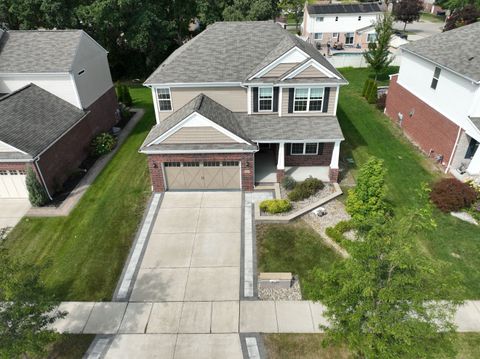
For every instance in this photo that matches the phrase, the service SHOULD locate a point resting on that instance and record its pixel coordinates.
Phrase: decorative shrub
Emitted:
(275, 206)
(381, 102)
(337, 232)
(37, 194)
(372, 93)
(102, 144)
(288, 182)
(450, 194)
(305, 189)
(366, 87)
(123, 95)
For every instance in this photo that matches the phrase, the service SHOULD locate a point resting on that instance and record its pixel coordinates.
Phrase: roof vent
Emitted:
(471, 58)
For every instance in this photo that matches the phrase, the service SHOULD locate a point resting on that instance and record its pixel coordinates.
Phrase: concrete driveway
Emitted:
(12, 211)
(420, 29)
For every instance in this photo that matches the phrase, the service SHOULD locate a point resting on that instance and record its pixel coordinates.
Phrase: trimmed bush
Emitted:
(275, 206)
(366, 87)
(305, 189)
(102, 144)
(37, 195)
(450, 195)
(381, 102)
(288, 182)
(372, 93)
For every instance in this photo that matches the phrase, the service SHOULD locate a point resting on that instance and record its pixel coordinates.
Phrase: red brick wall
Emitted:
(66, 155)
(13, 166)
(156, 174)
(427, 128)
(323, 159)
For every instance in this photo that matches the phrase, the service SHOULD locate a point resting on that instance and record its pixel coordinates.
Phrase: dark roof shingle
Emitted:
(456, 50)
(32, 119)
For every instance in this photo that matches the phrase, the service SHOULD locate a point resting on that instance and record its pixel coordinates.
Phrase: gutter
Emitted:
(41, 177)
(453, 150)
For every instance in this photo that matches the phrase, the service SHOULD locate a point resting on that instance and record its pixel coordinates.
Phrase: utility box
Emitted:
(275, 280)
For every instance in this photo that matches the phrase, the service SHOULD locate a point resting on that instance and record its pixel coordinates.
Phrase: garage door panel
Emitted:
(193, 177)
(213, 177)
(231, 177)
(12, 184)
(175, 178)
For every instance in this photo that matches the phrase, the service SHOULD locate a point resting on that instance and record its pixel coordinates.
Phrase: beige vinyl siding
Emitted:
(310, 72)
(280, 69)
(198, 135)
(233, 98)
(331, 105)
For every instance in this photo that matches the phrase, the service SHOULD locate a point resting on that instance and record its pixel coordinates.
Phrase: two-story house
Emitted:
(340, 25)
(243, 103)
(435, 97)
(56, 93)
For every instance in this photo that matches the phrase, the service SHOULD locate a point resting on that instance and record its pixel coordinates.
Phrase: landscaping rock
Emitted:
(270, 293)
(464, 216)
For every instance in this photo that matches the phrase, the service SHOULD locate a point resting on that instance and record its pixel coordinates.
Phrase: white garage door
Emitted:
(202, 175)
(12, 184)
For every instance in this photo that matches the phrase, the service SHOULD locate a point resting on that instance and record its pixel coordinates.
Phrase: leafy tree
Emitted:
(378, 54)
(294, 7)
(37, 194)
(383, 302)
(457, 4)
(366, 202)
(210, 11)
(26, 309)
(242, 10)
(463, 16)
(407, 11)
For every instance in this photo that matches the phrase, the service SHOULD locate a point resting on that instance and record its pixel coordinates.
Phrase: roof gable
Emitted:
(309, 69)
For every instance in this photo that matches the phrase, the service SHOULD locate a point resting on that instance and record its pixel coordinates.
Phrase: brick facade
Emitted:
(322, 159)
(427, 128)
(333, 174)
(66, 155)
(156, 173)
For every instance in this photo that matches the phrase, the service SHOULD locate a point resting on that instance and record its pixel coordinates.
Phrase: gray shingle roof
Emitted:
(38, 51)
(456, 50)
(343, 8)
(231, 52)
(32, 119)
(252, 128)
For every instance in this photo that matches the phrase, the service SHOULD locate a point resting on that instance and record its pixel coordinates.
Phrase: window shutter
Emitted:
(320, 148)
(255, 98)
(325, 99)
(275, 99)
(291, 92)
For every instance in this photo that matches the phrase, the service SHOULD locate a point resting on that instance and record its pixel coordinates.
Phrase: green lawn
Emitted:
(86, 251)
(293, 247)
(425, 16)
(308, 346)
(368, 132)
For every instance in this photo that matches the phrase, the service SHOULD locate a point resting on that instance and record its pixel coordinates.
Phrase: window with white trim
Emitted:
(371, 37)
(265, 98)
(436, 77)
(164, 99)
(304, 148)
(308, 99)
(349, 38)
(318, 35)
(319, 18)
(335, 35)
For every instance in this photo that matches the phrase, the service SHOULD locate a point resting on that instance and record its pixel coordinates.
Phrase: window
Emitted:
(172, 164)
(349, 38)
(318, 35)
(13, 172)
(436, 76)
(211, 164)
(472, 148)
(22, 172)
(319, 18)
(191, 164)
(359, 18)
(336, 18)
(265, 98)
(308, 99)
(3, 172)
(164, 99)
(335, 35)
(372, 37)
(230, 164)
(304, 148)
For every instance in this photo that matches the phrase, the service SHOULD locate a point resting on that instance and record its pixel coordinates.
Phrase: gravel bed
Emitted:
(269, 293)
(335, 213)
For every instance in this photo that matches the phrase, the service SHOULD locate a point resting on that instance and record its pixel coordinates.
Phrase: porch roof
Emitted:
(271, 128)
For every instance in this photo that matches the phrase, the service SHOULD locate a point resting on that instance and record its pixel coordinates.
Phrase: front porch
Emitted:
(273, 161)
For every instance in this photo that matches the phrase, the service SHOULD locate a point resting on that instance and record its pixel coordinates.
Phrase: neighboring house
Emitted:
(435, 98)
(432, 8)
(349, 25)
(243, 103)
(56, 93)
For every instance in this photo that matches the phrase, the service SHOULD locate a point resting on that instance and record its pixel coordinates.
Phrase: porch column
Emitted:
(334, 162)
(281, 162)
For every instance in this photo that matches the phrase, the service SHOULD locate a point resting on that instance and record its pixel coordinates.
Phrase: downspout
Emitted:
(454, 149)
(41, 177)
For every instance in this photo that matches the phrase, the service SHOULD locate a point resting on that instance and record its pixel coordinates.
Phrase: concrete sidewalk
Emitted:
(220, 317)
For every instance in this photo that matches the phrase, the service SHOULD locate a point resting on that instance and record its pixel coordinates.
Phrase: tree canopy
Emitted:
(407, 11)
(462, 16)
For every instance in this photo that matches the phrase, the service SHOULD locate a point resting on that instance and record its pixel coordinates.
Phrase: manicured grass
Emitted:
(425, 16)
(368, 132)
(85, 252)
(70, 346)
(308, 346)
(293, 247)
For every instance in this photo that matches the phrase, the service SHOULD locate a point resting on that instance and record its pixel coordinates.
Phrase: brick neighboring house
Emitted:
(56, 94)
(349, 25)
(243, 103)
(435, 98)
